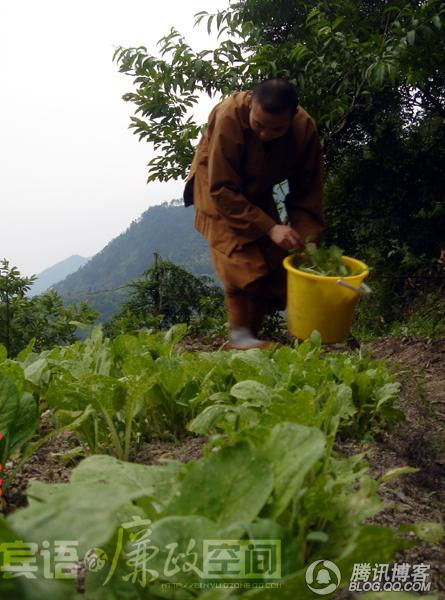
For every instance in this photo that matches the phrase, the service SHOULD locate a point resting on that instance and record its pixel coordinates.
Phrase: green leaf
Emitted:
(18, 417)
(21, 588)
(88, 508)
(3, 353)
(252, 390)
(9, 403)
(379, 73)
(151, 480)
(386, 393)
(23, 355)
(183, 531)
(209, 24)
(293, 450)
(175, 334)
(428, 531)
(208, 419)
(313, 14)
(26, 422)
(124, 346)
(266, 529)
(396, 472)
(338, 21)
(437, 22)
(234, 484)
(37, 372)
(326, 261)
(72, 426)
(315, 339)
(86, 513)
(317, 536)
(410, 37)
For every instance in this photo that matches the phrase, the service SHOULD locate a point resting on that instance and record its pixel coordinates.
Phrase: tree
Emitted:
(339, 53)
(167, 294)
(13, 288)
(49, 322)
(41, 320)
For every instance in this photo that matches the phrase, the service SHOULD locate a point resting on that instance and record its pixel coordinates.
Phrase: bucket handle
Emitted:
(363, 290)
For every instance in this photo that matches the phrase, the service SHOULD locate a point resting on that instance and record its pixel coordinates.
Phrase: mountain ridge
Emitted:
(56, 273)
(166, 229)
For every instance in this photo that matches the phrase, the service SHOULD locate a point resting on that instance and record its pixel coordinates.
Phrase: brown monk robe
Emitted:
(231, 183)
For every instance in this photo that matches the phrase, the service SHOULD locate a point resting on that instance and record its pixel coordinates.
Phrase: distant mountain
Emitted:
(56, 273)
(167, 229)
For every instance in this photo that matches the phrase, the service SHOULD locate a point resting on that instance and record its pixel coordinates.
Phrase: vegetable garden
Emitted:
(280, 430)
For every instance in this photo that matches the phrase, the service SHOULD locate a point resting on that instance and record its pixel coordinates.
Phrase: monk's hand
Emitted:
(285, 237)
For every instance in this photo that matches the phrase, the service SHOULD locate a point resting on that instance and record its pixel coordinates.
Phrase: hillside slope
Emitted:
(167, 229)
(56, 273)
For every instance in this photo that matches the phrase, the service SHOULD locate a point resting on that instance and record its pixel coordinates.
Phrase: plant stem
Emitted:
(128, 428)
(113, 432)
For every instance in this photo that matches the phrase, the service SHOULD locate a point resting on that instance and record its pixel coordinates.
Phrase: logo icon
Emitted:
(95, 560)
(323, 577)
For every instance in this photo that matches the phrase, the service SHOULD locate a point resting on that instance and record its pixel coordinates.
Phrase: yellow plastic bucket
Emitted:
(323, 303)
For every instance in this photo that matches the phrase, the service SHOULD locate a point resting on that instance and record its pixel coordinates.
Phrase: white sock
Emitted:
(242, 337)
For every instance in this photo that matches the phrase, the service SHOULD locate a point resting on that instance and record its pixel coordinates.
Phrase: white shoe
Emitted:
(241, 338)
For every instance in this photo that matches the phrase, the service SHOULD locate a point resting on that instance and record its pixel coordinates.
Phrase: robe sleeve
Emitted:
(304, 201)
(225, 151)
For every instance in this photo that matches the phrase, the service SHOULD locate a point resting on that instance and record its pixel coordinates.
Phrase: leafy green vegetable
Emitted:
(18, 417)
(345, 393)
(270, 470)
(234, 484)
(326, 261)
(274, 490)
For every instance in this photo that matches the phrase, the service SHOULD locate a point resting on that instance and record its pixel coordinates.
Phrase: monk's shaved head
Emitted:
(276, 96)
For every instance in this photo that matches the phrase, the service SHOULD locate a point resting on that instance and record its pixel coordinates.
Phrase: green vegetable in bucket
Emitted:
(326, 261)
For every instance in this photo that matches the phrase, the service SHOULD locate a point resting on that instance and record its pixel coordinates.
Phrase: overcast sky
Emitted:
(73, 176)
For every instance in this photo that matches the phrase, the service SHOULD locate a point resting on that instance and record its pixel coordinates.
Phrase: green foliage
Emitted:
(118, 393)
(46, 319)
(18, 412)
(167, 295)
(233, 493)
(108, 391)
(343, 393)
(385, 204)
(13, 288)
(270, 474)
(326, 261)
(339, 54)
(425, 317)
(41, 320)
(273, 326)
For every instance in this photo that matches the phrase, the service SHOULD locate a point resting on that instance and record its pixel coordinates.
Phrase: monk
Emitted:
(253, 141)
